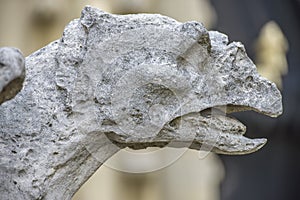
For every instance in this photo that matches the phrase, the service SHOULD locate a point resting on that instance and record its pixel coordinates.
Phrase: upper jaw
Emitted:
(265, 99)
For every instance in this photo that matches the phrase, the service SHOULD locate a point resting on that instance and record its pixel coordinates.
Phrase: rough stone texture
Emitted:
(116, 81)
(12, 72)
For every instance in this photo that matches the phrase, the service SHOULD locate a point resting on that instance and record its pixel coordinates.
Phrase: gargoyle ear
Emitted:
(199, 45)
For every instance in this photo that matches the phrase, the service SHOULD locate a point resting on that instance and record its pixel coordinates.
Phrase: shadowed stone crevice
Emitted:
(12, 73)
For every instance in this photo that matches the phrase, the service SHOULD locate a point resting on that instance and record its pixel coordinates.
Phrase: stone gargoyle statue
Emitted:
(115, 81)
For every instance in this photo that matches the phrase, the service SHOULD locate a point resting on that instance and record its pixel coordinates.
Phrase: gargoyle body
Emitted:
(116, 81)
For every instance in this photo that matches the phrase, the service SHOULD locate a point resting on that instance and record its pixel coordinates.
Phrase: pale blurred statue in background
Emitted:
(271, 49)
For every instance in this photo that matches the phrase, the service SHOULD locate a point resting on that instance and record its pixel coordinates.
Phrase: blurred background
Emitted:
(270, 31)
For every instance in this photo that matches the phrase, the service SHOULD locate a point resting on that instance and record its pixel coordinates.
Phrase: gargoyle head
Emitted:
(146, 80)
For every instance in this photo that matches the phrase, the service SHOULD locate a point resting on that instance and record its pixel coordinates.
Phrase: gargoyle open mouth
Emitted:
(211, 129)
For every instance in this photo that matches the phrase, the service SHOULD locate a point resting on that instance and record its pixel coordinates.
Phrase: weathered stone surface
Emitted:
(12, 72)
(116, 81)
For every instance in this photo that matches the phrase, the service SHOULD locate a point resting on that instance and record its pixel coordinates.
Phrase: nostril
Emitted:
(2, 65)
(249, 78)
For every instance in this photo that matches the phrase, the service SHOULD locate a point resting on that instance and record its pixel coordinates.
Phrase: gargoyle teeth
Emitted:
(216, 131)
(207, 130)
(220, 120)
(224, 135)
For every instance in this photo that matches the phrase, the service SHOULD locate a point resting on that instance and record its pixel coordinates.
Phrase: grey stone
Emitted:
(12, 72)
(125, 81)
